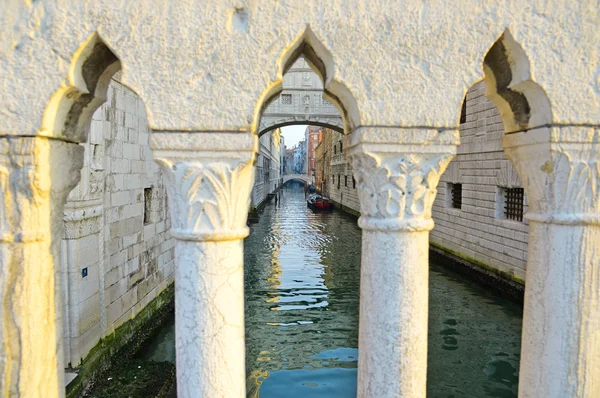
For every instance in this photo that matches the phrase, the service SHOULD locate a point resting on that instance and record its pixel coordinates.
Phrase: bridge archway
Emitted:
(300, 102)
(303, 178)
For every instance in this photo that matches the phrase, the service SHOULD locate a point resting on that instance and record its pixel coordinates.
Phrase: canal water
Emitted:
(302, 291)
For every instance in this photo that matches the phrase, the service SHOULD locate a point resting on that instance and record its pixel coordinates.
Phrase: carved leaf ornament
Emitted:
(209, 198)
(582, 188)
(399, 186)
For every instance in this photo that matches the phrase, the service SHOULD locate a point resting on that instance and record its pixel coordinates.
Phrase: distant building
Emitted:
(323, 162)
(268, 176)
(313, 136)
(288, 167)
(282, 150)
(300, 158)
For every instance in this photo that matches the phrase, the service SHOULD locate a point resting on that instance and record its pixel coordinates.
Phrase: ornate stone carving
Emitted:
(398, 186)
(561, 175)
(209, 200)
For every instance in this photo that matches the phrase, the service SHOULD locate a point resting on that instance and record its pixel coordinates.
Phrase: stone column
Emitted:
(397, 172)
(560, 170)
(36, 175)
(209, 179)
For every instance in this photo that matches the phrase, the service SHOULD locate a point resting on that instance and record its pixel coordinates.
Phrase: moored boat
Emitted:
(316, 201)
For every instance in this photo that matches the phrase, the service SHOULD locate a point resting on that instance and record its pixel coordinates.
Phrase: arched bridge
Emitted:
(300, 102)
(304, 178)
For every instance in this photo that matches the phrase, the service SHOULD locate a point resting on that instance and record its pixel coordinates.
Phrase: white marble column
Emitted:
(560, 349)
(397, 172)
(36, 175)
(209, 179)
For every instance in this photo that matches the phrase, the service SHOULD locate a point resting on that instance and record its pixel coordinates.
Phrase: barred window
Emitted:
(513, 203)
(454, 194)
(286, 99)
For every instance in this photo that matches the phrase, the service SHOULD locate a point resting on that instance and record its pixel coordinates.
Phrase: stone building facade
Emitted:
(475, 215)
(323, 163)
(268, 176)
(117, 251)
(312, 136)
(341, 182)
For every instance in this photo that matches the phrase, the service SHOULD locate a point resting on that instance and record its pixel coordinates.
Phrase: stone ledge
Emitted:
(501, 282)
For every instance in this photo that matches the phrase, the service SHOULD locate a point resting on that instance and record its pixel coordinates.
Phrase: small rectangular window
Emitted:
(353, 183)
(513, 203)
(335, 149)
(338, 182)
(345, 181)
(454, 196)
(333, 179)
(147, 205)
(286, 99)
(341, 147)
(457, 196)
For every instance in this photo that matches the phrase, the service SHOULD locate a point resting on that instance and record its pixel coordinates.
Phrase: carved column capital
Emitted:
(560, 170)
(397, 172)
(209, 179)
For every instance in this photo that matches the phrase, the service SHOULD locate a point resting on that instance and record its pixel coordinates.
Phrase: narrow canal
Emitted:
(302, 291)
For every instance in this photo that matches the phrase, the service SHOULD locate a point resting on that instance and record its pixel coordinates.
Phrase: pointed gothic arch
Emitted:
(69, 112)
(523, 104)
(307, 45)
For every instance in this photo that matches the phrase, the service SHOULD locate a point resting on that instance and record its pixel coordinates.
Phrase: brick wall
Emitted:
(478, 229)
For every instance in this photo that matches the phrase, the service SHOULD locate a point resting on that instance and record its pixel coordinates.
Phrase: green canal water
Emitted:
(302, 293)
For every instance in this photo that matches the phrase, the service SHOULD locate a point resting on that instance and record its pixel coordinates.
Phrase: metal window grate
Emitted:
(456, 195)
(513, 204)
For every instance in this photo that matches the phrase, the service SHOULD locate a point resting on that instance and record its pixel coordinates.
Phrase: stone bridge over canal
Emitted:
(300, 102)
(304, 178)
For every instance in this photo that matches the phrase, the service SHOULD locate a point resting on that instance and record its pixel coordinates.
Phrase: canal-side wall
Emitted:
(117, 253)
(267, 177)
(478, 229)
(343, 188)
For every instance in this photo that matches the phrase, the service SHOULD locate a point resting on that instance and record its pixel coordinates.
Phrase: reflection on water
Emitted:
(302, 292)
(301, 272)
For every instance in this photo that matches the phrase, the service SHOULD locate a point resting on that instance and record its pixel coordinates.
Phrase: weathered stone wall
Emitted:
(478, 230)
(117, 252)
